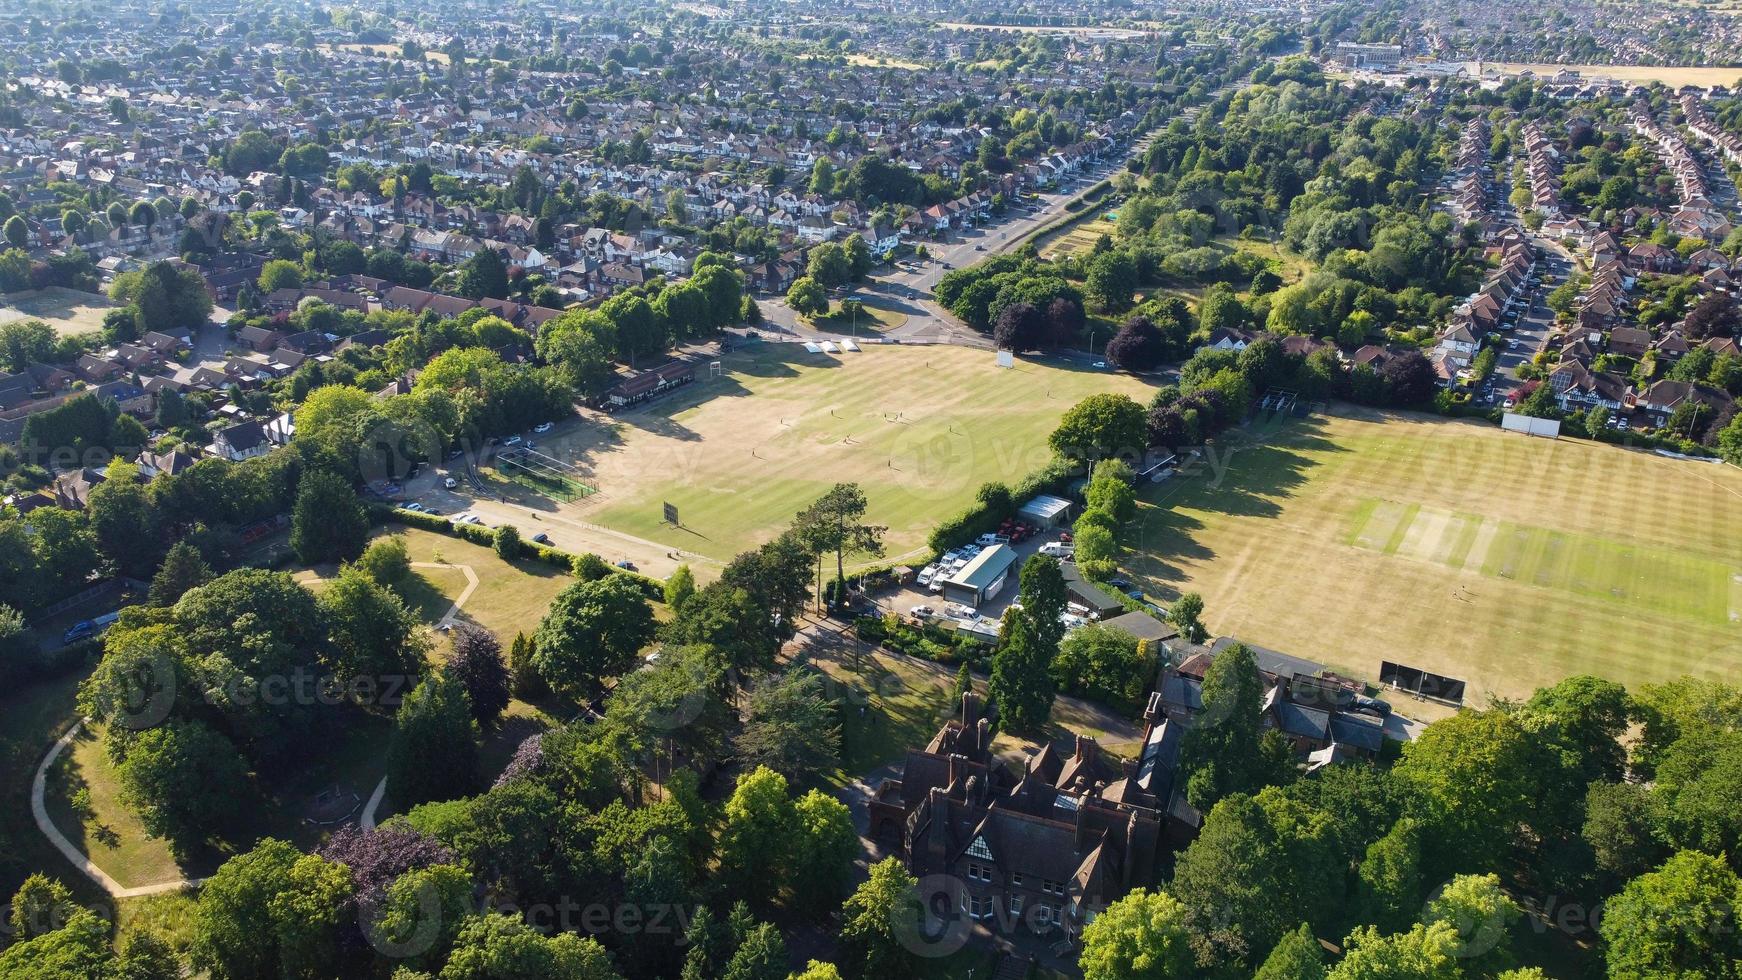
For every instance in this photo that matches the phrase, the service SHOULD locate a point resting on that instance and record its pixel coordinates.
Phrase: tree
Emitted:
(125, 523)
(679, 586)
(1477, 774)
(876, 918)
(279, 274)
(1112, 278)
(1019, 327)
(185, 780)
(836, 523)
(1540, 403)
(1388, 885)
(1715, 315)
(1101, 426)
(1186, 615)
(581, 343)
(1138, 346)
(377, 642)
(497, 946)
(1227, 750)
(18, 647)
(183, 569)
(790, 727)
(1730, 441)
(506, 542)
(829, 265)
(756, 836)
(476, 661)
(825, 845)
(1021, 685)
(432, 754)
(1423, 953)
(1682, 920)
(1260, 865)
(1103, 663)
(527, 684)
(387, 561)
(484, 276)
(858, 253)
(1296, 956)
(1483, 915)
(761, 955)
(1625, 828)
(1143, 936)
(40, 906)
(1409, 378)
(328, 522)
(807, 297)
(17, 232)
(26, 342)
(592, 630)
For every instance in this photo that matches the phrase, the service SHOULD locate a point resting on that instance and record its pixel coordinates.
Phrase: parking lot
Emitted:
(947, 613)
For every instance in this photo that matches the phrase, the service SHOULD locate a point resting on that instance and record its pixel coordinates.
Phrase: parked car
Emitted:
(626, 565)
(85, 629)
(927, 573)
(450, 483)
(543, 427)
(511, 441)
(1057, 549)
(921, 612)
(541, 538)
(413, 507)
(959, 611)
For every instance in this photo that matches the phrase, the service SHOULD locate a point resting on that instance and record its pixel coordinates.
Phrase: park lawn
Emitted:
(872, 322)
(168, 916)
(510, 598)
(920, 429)
(1506, 561)
(110, 833)
(68, 311)
(891, 704)
(1077, 237)
(32, 716)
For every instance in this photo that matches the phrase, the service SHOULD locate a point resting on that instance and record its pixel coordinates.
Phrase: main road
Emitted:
(906, 286)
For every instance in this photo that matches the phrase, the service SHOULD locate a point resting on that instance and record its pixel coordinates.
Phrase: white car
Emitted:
(511, 441)
(921, 612)
(450, 483)
(1056, 549)
(412, 507)
(928, 573)
(959, 611)
(543, 427)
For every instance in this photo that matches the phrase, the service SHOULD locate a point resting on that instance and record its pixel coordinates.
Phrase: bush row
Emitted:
(927, 641)
(997, 503)
(588, 567)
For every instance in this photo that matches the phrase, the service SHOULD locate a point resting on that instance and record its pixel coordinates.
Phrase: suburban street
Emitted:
(906, 286)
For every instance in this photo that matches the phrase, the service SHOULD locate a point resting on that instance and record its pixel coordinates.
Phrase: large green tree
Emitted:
(328, 522)
(593, 630)
(433, 753)
(1682, 920)
(1143, 936)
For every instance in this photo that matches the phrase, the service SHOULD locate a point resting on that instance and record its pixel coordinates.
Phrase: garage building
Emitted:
(1045, 510)
(982, 578)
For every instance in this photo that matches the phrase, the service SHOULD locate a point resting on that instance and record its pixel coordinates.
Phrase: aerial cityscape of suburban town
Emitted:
(737, 490)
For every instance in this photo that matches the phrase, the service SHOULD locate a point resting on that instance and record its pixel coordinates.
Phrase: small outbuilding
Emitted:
(1045, 510)
(982, 578)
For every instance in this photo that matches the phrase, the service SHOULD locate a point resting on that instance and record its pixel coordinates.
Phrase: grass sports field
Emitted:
(919, 428)
(1501, 559)
(1672, 75)
(68, 311)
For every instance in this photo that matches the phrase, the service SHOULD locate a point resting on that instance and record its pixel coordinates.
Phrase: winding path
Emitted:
(83, 862)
